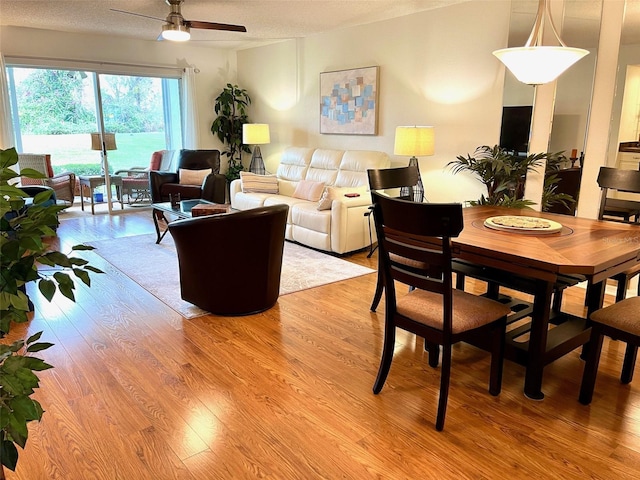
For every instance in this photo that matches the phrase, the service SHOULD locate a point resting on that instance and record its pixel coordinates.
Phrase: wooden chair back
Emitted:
(415, 246)
(389, 178)
(622, 181)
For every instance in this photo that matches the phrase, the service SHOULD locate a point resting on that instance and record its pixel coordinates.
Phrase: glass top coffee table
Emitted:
(179, 211)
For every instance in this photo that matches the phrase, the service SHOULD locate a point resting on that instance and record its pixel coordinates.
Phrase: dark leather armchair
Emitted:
(240, 274)
(213, 188)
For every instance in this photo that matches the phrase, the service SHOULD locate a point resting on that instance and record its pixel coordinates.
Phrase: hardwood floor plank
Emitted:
(139, 392)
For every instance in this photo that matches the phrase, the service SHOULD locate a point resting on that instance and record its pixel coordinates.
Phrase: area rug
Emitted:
(138, 257)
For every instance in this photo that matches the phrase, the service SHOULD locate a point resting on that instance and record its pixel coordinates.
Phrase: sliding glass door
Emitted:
(56, 111)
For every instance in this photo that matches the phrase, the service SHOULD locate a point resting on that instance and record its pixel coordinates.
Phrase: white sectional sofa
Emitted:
(342, 227)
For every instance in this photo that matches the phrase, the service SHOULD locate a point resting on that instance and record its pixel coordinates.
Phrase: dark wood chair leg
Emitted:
(378, 295)
(445, 376)
(497, 358)
(434, 353)
(621, 290)
(387, 357)
(629, 363)
(591, 365)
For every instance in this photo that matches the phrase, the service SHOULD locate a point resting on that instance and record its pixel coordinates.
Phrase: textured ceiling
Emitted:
(268, 20)
(265, 20)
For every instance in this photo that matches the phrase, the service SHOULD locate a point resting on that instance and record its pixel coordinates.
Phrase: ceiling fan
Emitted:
(177, 29)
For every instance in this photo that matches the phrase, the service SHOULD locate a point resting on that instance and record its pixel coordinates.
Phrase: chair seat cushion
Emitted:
(185, 191)
(623, 315)
(469, 311)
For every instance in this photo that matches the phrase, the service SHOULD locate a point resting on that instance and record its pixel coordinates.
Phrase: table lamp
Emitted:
(414, 142)
(256, 134)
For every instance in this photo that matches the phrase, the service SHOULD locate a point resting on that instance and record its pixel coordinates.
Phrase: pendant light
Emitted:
(535, 64)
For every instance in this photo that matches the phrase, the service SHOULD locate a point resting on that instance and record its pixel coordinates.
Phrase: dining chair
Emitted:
(619, 321)
(621, 182)
(625, 181)
(419, 234)
(387, 179)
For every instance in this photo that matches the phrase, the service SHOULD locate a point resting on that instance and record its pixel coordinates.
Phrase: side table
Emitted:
(93, 181)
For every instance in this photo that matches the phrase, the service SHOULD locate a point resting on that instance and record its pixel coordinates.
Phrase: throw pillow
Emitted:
(192, 177)
(254, 183)
(335, 193)
(309, 190)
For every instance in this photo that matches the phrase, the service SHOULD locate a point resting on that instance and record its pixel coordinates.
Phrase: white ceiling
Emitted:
(265, 20)
(268, 20)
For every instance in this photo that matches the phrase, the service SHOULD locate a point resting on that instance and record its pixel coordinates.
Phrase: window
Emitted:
(55, 111)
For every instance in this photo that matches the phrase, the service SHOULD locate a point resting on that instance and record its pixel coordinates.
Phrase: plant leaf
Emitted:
(38, 347)
(9, 454)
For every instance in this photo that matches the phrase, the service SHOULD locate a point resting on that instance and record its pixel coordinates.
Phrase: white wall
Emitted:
(436, 68)
(217, 67)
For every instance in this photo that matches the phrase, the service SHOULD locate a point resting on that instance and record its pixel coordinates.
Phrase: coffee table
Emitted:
(181, 211)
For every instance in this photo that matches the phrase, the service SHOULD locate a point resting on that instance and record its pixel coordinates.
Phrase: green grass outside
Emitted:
(73, 152)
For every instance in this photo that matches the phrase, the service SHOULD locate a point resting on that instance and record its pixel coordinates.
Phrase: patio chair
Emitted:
(63, 184)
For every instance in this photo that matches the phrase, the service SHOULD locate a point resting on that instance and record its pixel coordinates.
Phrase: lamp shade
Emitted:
(255, 134)
(539, 65)
(414, 141)
(176, 33)
(109, 141)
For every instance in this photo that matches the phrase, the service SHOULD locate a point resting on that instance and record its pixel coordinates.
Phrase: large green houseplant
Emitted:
(231, 107)
(504, 175)
(26, 257)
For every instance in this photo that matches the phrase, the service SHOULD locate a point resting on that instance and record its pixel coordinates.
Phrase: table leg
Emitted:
(91, 200)
(158, 216)
(538, 340)
(82, 197)
(595, 299)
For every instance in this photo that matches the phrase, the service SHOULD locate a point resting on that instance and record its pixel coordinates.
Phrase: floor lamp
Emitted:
(256, 134)
(104, 142)
(414, 142)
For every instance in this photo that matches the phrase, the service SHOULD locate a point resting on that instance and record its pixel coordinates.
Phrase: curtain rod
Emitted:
(92, 62)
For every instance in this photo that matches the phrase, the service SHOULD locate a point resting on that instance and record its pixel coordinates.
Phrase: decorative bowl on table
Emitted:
(522, 224)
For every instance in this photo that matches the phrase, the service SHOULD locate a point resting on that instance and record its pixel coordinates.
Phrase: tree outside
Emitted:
(57, 112)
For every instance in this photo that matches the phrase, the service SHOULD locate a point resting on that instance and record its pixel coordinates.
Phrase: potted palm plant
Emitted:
(231, 107)
(504, 175)
(24, 255)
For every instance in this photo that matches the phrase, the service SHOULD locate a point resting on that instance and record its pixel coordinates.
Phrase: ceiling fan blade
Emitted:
(137, 14)
(214, 26)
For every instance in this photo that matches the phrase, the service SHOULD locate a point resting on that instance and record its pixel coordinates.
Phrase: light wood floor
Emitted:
(138, 392)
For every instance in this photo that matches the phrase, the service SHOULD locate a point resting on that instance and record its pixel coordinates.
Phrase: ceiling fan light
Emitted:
(176, 33)
(539, 65)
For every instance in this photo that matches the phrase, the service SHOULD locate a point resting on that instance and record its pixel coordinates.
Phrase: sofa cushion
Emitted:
(284, 200)
(255, 183)
(354, 166)
(324, 166)
(309, 190)
(192, 177)
(294, 163)
(335, 193)
(306, 215)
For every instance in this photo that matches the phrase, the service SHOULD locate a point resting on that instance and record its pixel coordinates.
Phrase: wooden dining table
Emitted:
(594, 249)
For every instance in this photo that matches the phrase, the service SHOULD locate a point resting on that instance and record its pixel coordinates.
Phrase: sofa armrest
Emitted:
(234, 188)
(157, 179)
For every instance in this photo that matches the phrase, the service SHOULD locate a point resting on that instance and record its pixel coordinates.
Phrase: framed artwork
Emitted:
(349, 101)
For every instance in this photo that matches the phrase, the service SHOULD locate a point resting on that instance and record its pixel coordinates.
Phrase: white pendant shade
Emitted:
(539, 65)
(536, 64)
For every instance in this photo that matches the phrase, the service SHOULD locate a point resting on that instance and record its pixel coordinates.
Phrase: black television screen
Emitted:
(516, 124)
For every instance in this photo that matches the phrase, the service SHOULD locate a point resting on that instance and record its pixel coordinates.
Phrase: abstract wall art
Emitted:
(349, 101)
